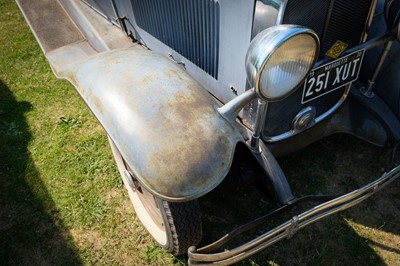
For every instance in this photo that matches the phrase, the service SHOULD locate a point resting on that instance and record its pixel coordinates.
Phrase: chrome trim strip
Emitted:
(255, 138)
(292, 226)
(369, 20)
(281, 13)
(230, 110)
(294, 132)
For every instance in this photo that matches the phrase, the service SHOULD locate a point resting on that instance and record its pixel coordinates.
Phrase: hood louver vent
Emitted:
(191, 28)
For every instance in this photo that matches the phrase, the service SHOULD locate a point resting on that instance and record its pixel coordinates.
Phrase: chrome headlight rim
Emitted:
(276, 36)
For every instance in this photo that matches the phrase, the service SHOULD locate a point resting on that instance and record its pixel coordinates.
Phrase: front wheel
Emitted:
(175, 226)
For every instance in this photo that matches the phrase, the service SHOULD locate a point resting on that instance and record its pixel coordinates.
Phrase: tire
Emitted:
(175, 226)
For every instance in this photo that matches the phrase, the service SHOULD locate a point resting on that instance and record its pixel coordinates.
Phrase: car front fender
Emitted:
(165, 125)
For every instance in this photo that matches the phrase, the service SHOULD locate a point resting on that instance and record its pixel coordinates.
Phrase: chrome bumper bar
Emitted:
(202, 256)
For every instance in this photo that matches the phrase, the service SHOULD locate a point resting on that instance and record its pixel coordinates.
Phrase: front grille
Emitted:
(191, 28)
(332, 20)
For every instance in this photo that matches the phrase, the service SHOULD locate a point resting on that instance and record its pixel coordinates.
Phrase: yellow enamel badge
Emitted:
(337, 49)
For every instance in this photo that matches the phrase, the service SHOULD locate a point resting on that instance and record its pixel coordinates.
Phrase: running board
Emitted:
(50, 24)
(69, 32)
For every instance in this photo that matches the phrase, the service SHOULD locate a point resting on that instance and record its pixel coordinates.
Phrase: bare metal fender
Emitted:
(165, 125)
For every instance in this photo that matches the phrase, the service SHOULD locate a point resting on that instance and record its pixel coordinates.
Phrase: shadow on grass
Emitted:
(338, 164)
(30, 231)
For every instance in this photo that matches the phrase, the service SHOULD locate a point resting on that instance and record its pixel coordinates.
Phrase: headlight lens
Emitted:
(279, 59)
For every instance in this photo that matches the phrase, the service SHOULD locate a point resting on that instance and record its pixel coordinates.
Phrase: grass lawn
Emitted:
(62, 201)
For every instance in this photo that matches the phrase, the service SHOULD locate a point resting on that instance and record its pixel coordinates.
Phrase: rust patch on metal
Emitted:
(147, 80)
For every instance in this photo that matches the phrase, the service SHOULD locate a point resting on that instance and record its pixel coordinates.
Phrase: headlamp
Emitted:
(279, 58)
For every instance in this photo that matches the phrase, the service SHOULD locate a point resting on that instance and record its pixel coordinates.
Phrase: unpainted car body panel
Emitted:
(164, 123)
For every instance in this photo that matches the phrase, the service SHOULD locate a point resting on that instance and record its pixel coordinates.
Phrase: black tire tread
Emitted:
(184, 220)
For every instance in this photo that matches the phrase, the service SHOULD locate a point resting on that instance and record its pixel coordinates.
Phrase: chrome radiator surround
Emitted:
(326, 40)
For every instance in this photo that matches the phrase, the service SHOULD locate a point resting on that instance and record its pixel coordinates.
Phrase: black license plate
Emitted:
(334, 75)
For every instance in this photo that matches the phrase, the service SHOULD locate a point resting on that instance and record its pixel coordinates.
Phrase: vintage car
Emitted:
(187, 89)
